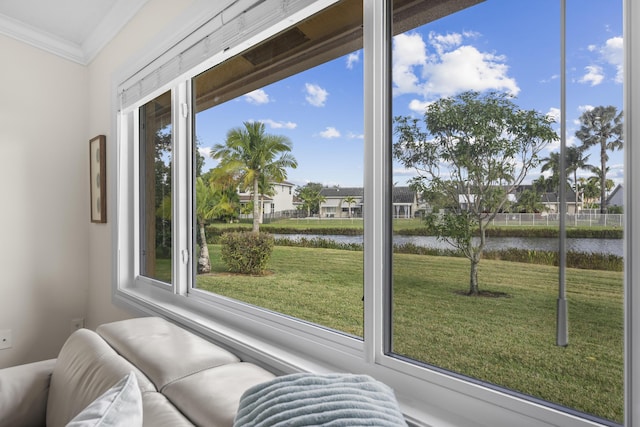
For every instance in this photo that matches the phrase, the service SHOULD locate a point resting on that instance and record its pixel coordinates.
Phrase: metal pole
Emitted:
(562, 327)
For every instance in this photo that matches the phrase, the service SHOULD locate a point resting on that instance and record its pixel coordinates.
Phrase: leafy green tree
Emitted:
(529, 202)
(216, 198)
(225, 185)
(436, 200)
(254, 154)
(476, 149)
(158, 225)
(592, 187)
(311, 197)
(601, 127)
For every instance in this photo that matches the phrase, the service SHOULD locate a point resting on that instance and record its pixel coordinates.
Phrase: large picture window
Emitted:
(432, 191)
(477, 132)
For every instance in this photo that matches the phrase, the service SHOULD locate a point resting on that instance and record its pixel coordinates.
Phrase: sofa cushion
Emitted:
(210, 398)
(23, 391)
(163, 351)
(160, 412)
(86, 367)
(120, 406)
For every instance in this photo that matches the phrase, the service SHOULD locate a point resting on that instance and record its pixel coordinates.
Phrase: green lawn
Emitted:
(505, 341)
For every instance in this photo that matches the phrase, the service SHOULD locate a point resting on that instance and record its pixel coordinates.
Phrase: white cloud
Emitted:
(466, 68)
(594, 75)
(419, 106)
(279, 125)
(613, 53)
(409, 52)
(554, 113)
(449, 68)
(205, 151)
(330, 132)
(257, 97)
(353, 58)
(352, 135)
(316, 95)
(610, 53)
(443, 42)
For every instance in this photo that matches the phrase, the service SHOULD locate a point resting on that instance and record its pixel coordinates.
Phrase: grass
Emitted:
(505, 341)
(299, 288)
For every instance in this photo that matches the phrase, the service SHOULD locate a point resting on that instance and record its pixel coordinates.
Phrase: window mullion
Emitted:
(181, 192)
(377, 218)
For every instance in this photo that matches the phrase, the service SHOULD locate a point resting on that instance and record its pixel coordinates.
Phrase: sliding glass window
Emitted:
(279, 147)
(156, 189)
(477, 271)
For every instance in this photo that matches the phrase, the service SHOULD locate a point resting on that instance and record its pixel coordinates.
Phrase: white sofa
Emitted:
(184, 380)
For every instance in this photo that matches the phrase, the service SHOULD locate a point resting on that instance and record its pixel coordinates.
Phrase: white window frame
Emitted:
(285, 345)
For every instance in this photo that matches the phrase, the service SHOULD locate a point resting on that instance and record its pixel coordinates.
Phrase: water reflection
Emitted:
(605, 246)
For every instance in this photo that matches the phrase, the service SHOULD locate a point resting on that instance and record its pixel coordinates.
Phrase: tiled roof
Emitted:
(342, 192)
(616, 197)
(402, 195)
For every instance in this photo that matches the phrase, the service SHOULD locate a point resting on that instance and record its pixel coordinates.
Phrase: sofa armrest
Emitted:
(24, 390)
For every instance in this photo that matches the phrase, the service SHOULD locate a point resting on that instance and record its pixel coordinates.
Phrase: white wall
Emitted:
(54, 264)
(44, 207)
(153, 21)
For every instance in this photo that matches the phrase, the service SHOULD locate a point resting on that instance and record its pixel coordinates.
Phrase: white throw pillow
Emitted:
(120, 406)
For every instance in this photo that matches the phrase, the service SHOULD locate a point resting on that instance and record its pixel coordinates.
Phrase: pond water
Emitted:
(605, 246)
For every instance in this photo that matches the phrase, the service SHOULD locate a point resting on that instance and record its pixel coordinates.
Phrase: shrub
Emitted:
(246, 252)
(318, 242)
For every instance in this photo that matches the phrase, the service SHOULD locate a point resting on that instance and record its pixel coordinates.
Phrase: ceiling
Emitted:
(73, 29)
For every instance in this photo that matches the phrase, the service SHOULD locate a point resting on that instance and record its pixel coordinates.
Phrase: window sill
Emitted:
(428, 398)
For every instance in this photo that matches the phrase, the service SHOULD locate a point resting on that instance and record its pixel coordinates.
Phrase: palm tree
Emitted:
(311, 197)
(349, 200)
(576, 160)
(601, 126)
(266, 189)
(255, 154)
(542, 184)
(529, 202)
(205, 205)
(592, 188)
(552, 163)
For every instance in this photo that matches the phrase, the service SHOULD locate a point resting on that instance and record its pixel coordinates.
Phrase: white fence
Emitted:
(572, 220)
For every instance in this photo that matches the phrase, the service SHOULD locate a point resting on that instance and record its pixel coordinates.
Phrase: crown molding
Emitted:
(112, 23)
(41, 39)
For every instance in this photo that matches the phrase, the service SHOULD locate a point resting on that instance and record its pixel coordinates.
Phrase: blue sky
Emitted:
(506, 45)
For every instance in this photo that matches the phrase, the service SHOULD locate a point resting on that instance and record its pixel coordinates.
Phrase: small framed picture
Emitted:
(98, 180)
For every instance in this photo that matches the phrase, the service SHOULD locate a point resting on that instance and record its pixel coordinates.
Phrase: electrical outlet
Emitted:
(5, 339)
(77, 324)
